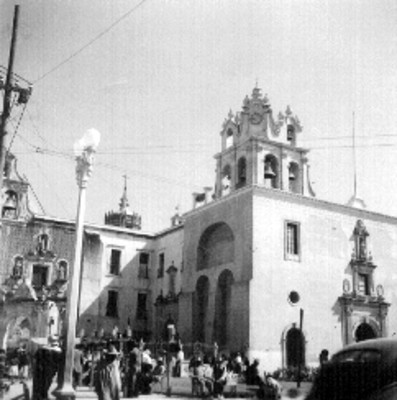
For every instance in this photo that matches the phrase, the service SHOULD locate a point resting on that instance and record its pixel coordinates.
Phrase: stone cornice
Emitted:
(299, 199)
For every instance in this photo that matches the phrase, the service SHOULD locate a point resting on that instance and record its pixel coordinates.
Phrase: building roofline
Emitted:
(298, 198)
(108, 228)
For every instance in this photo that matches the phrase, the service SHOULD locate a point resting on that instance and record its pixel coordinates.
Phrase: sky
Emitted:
(157, 78)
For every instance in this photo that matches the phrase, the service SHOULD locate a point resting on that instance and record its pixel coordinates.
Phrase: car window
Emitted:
(364, 356)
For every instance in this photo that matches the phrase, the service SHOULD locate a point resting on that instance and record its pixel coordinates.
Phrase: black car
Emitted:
(362, 371)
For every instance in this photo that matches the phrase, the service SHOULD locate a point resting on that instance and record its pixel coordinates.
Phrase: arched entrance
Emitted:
(223, 308)
(200, 307)
(295, 348)
(364, 332)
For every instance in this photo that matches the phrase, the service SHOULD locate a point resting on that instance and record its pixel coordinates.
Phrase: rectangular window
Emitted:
(292, 241)
(39, 278)
(112, 305)
(363, 284)
(160, 271)
(143, 271)
(115, 258)
(141, 312)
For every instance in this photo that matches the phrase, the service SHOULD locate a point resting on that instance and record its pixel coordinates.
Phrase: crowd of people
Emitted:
(131, 369)
(211, 374)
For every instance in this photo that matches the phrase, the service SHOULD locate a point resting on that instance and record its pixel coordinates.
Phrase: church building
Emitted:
(262, 266)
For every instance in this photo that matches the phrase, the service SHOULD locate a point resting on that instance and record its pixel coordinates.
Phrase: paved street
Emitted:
(180, 389)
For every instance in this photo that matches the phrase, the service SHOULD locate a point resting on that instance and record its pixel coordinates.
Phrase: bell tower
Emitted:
(14, 192)
(258, 149)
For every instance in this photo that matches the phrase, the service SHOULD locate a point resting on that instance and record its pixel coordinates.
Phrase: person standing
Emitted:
(219, 374)
(23, 362)
(107, 380)
(134, 370)
(180, 357)
(77, 366)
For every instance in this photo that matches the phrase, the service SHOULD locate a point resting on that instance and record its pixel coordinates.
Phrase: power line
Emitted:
(91, 41)
(346, 137)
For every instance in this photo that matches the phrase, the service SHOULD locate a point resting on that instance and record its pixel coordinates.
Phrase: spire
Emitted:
(355, 200)
(124, 217)
(124, 200)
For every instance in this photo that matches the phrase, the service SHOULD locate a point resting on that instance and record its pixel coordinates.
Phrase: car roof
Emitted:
(386, 346)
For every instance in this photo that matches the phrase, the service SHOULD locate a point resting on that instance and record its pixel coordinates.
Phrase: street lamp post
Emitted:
(84, 150)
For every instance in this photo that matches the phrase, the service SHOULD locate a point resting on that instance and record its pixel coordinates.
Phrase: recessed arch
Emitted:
(294, 177)
(222, 317)
(200, 308)
(365, 331)
(226, 179)
(216, 246)
(294, 347)
(241, 172)
(229, 138)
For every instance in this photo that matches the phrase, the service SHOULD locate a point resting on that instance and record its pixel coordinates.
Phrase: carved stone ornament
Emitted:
(380, 291)
(346, 286)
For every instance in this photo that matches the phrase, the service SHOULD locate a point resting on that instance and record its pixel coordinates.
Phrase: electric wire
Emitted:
(104, 32)
(17, 127)
(34, 194)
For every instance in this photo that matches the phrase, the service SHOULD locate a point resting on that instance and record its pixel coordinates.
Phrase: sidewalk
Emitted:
(180, 389)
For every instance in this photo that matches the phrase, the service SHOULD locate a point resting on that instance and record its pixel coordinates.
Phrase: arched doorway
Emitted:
(223, 308)
(295, 348)
(364, 332)
(200, 307)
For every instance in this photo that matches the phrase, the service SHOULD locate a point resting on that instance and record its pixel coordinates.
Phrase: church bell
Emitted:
(291, 175)
(269, 173)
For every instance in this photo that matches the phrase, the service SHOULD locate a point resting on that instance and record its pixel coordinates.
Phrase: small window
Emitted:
(143, 271)
(112, 305)
(141, 312)
(292, 241)
(160, 271)
(115, 257)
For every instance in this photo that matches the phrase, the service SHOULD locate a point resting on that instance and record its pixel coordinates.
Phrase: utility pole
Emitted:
(10, 87)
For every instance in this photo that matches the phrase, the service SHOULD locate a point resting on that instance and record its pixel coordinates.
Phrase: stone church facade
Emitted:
(262, 267)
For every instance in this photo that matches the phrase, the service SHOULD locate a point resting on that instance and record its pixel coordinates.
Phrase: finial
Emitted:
(256, 83)
(256, 93)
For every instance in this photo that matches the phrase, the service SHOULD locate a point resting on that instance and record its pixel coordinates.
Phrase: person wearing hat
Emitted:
(107, 380)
